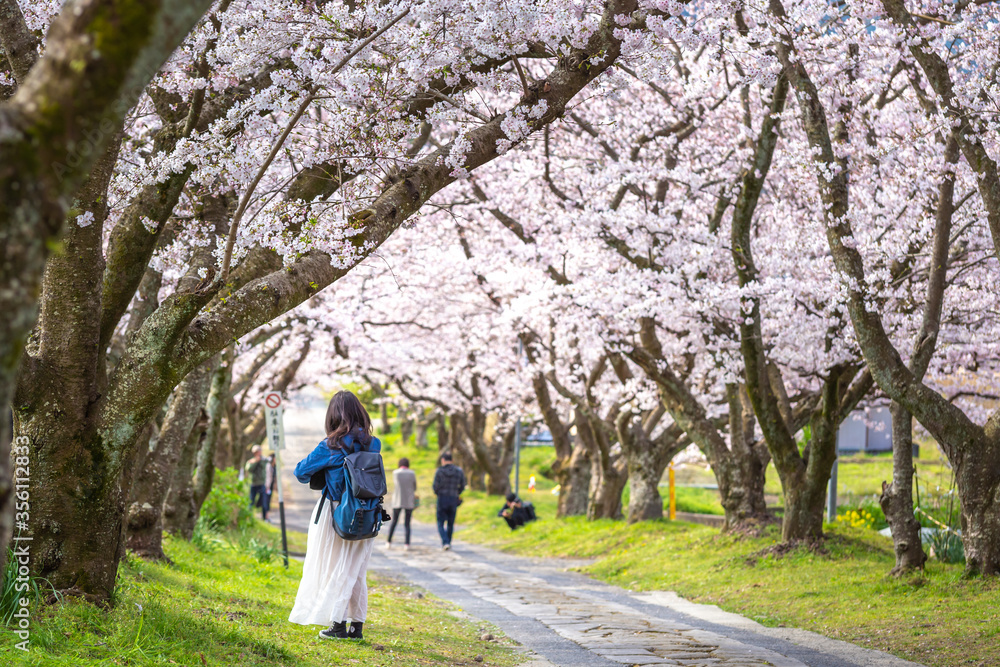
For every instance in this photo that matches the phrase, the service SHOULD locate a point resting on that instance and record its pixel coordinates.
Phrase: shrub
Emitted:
(228, 504)
(248, 543)
(206, 536)
(946, 546)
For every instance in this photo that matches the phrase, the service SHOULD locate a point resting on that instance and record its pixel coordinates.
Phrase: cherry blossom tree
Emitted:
(273, 153)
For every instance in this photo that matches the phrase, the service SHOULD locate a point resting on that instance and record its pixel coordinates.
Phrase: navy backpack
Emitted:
(360, 514)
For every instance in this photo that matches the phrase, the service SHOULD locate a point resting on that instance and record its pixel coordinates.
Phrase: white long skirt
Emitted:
(333, 586)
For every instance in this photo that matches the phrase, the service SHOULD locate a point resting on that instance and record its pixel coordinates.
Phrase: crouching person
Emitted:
(516, 512)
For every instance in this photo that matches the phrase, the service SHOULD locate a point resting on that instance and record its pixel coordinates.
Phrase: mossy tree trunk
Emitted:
(152, 483)
(193, 484)
(59, 122)
(179, 510)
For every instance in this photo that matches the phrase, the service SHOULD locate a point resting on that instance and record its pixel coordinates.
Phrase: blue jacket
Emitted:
(331, 460)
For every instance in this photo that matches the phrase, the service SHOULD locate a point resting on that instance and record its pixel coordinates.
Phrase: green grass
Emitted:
(225, 607)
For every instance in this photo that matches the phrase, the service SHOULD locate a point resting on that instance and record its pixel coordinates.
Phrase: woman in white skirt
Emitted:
(333, 589)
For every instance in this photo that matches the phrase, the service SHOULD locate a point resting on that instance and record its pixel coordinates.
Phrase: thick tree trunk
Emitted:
(226, 449)
(443, 434)
(405, 429)
(740, 470)
(463, 456)
(605, 500)
(805, 484)
(573, 477)
(741, 491)
(205, 472)
(6, 480)
(897, 497)
(608, 473)
(572, 466)
(76, 488)
(145, 511)
(977, 476)
(386, 426)
(423, 425)
(179, 512)
(645, 502)
(646, 459)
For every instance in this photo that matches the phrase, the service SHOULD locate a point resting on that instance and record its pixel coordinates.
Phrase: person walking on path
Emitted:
(404, 499)
(449, 482)
(333, 587)
(256, 470)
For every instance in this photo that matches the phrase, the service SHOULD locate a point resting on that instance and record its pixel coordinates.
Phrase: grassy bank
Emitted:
(842, 590)
(226, 608)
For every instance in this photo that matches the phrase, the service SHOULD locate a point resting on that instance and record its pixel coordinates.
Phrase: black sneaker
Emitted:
(354, 631)
(335, 631)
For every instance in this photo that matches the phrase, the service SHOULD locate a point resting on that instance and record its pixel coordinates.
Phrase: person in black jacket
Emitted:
(516, 512)
(449, 482)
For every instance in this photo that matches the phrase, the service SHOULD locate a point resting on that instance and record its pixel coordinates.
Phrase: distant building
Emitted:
(540, 438)
(866, 431)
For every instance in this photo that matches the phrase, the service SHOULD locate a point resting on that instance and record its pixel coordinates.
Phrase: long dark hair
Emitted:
(346, 416)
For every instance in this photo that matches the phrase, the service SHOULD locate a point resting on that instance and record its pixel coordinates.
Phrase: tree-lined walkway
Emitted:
(571, 620)
(566, 618)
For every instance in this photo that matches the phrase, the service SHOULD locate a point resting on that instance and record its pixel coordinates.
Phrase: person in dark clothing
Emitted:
(270, 480)
(256, 470)
(516, 512)
(449, 482)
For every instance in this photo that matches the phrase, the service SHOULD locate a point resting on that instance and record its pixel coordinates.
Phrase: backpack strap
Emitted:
(319, 510)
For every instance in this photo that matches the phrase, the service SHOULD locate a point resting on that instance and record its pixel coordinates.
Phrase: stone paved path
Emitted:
(569, 619)
(565, 619)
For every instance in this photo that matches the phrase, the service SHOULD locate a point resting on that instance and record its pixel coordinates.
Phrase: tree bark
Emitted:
(647, 458)
(204, 474)
(897, 498)
(145, 511)
(608, 473)
(405, 428)
(463, 455)
(573, 478)
(179, 512)
(572, 466)
(386, 425)
(443, 435)
(424, 422)
(58, 402)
